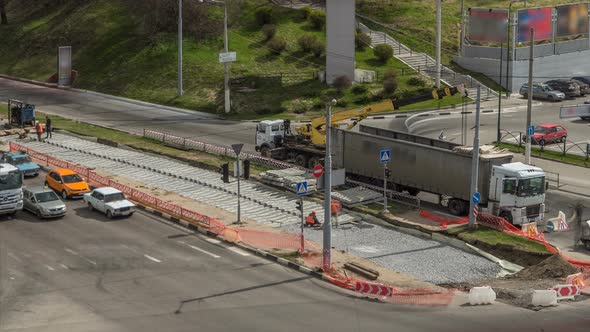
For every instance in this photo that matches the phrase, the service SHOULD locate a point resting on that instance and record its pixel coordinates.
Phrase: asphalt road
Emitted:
(86, 273)
(130, 117)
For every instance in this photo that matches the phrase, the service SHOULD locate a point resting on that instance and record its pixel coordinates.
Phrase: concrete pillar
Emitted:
(340, 21)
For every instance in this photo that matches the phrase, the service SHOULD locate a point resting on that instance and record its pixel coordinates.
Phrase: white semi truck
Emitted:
(11, 189)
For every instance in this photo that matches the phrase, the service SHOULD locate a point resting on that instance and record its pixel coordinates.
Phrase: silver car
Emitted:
(43, 202)
(542, 91)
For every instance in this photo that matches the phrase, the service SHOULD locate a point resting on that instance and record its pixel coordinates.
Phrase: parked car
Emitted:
(585, 79)
(109, 201)
(22, 161)
(43, 202)
(584, 87)
(548, 132)
(542, 91)
(569, 87)
(67, 182)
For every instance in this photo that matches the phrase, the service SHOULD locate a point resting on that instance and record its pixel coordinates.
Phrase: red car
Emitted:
(548, 132)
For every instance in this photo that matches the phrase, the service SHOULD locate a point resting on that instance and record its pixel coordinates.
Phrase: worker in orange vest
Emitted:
(312, 220)
(38, 130)
(335, 209)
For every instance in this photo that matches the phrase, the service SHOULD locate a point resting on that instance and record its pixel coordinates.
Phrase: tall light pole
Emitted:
(438, 40)
(179, 48)
(509, 55)
(327, 250)
(527, 153)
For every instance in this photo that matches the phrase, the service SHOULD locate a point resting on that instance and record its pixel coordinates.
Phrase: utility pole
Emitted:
(498, 134)
(385, 188)
(462, 27)
(302, 246)
(327, 254)
(238, 149)
(438, 40)
(179, 48)
(527, 153)
(475, 165)
(226, 64)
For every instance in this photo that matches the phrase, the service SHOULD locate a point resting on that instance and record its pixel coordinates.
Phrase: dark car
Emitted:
(548, 132)
(569, 87)
(584, 87)
(585, 79)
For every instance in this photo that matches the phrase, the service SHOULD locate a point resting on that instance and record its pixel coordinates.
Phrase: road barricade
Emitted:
(566, 292)
(444, 222)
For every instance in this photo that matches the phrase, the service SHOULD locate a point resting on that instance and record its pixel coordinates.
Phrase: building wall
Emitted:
(340, 28)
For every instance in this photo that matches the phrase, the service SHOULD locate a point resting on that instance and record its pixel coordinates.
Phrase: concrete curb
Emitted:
(24, 80)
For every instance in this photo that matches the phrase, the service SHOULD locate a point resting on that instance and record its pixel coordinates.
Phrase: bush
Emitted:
(263, 15)
(389, 85)
(317, 19)
(306, 42)
(269, 31)
(277, 45)
(317, 49)
(359, 89)
(416, 81)
(361, 41)
(390, 73)
(383, 52)
(305, 12)
(342, 82)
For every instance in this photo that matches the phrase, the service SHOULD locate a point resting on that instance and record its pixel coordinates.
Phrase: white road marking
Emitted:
(152, 258)
(72, 252)
(77, 254)
(13, 256)
(204, 251)
(49, 268)
(208, 239)
(64, 266)
(238, 251)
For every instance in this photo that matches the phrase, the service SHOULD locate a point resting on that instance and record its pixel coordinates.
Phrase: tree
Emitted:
(277, 45)
(306, 42)
(389, 85)
(3, 17)
(317, 19)
(342, 82)
(383, 52)
(269, 31)
(361, 40)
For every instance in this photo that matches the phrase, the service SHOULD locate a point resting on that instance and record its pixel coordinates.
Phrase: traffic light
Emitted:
(299, 206)
(387, 172)
(225, 172)
(246, 169)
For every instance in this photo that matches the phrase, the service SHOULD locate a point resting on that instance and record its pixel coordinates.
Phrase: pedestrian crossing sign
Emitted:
(302, 188)
(385, 156)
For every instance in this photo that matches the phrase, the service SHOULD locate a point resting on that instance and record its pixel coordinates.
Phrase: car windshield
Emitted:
(22, 160)
(12, 180)
(48, 196)
(531, 187)
(114, 197)
(545, 88)
(541, 130)
(72, 178)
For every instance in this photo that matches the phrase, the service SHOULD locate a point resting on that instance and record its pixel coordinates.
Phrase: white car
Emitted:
(109, 201)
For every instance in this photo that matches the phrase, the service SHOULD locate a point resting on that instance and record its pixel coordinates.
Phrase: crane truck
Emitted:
(306, 146)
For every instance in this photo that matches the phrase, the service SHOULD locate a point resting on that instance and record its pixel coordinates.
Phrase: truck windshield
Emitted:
(531, 187)
(22, 160)
(12, 180)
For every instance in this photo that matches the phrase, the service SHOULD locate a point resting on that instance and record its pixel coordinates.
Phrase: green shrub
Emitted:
(390, 73)
(341, 103)
(305, 12)
(317, 49)
(383, 52)
(359, 89)
(263, 15)
(362, 99)
(361, 41)
(306, 42)
(317, 19)
(416, 81)
(277, 45)
(389, 86)
(342, 82)
(269, 31)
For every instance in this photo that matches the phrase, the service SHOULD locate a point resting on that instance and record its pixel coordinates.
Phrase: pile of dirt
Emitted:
(552, 267)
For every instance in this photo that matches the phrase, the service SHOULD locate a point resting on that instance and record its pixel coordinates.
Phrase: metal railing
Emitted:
(562, 146)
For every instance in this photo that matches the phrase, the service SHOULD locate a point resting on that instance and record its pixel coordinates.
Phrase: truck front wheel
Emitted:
(506, 215)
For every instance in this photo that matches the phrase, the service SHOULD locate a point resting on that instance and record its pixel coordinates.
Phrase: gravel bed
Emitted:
(422, 258)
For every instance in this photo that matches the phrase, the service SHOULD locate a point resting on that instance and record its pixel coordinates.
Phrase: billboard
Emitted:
(488, 25)
(572, 20)
(537, 18)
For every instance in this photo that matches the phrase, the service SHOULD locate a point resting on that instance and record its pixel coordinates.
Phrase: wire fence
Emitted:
(560, 145)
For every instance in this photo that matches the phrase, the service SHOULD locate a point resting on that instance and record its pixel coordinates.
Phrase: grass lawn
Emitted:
(557, 156)
(494, 237)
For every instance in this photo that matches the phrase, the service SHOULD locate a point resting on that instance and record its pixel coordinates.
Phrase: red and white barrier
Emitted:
(566, 292)
(373, 289)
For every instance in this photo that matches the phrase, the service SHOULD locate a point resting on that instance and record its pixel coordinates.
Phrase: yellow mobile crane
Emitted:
(305, 148)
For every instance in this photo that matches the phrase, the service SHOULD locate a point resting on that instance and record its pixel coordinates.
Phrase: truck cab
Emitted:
(270, 135)
(517, 192)
(11, 192)
(22, 161)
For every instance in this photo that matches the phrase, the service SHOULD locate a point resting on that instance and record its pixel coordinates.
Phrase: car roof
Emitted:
(108, 190)
(63, 171)
(549, 125)
(38, 190)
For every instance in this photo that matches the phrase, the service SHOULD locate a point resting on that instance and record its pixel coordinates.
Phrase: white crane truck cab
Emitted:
(517, 192)
(269, 134)
(11, 189)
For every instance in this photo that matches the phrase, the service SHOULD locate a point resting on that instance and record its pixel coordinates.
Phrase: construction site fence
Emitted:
(312, 253)
(393, 195)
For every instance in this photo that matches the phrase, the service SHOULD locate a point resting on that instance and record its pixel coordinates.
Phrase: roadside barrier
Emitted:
(255, 238)
(566, 292)
(444, 222)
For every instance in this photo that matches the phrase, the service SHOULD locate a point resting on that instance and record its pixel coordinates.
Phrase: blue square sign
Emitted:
(530, 131)
(385, 156)
(302, 188)
(476, 198)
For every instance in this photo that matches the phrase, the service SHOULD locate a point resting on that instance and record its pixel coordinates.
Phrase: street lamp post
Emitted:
(327, 248)
(179, 48)
(438, 41)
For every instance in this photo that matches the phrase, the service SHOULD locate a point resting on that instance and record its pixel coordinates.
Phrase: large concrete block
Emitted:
(340, 28)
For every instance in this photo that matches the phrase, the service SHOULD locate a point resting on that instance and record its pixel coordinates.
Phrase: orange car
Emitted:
(66, 182)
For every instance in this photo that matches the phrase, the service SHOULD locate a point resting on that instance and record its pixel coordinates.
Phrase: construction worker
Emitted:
(38, 130)
(48, 127)
(312, 220)
(335, 209)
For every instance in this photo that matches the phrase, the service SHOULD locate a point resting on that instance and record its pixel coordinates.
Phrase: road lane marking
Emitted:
(13, 256)
(215, 241)
(204, 251)
(49, 268)
(152, 258)
(64, 266)
(72, 252)
(77, 254)
(238, 251)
